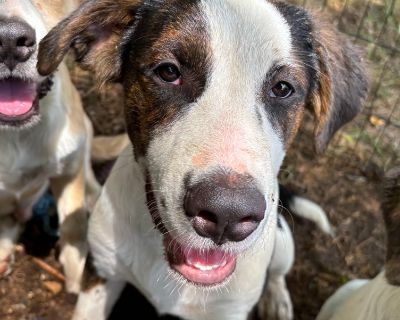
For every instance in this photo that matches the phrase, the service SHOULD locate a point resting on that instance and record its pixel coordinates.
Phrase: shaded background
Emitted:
(345, 181)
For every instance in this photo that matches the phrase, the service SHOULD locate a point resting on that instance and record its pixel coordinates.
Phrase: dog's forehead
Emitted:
(251, 34)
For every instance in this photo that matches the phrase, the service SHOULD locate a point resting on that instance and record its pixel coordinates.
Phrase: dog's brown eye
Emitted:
(282, 90)
(169, 73)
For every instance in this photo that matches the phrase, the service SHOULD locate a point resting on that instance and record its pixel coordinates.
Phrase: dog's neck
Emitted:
(391, 214)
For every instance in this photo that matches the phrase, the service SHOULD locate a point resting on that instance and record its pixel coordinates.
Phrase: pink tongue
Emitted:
(16, 97)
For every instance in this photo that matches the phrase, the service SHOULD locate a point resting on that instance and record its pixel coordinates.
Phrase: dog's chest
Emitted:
(178, 298)
(27, 165)
(144, 265)
(24, 172)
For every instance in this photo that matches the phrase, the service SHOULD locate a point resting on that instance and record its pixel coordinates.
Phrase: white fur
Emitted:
(363, 300)
(8, 231)
(339, 297)
(277, 303)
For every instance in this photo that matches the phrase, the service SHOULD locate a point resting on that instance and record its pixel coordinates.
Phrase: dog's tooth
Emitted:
(203, 267)
(206, 262)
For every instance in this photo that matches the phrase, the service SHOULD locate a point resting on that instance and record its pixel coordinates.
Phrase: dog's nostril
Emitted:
(208, 216)
(21, 42)
(25, 42)
(247, 220)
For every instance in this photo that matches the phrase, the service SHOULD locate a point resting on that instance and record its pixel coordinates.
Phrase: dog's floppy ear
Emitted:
(342, 82)
(95, 32)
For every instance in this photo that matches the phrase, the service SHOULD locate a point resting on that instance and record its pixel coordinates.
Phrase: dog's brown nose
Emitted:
(17, 42)
(225, 207)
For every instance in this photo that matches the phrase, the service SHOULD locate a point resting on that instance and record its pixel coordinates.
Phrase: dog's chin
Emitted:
(201, 267)
(19, 102)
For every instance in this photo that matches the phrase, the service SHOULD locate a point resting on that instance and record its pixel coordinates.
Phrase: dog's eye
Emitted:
(282, 90)
(169, 73)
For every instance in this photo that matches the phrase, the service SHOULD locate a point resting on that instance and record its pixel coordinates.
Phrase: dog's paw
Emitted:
(279, 306)
(276, 304)
(6, 266)
(72, 258)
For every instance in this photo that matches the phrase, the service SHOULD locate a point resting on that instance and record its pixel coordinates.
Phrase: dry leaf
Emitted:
(376, 121)
(53, 286)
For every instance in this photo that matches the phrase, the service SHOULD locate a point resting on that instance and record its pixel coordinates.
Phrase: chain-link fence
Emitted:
(374, 137)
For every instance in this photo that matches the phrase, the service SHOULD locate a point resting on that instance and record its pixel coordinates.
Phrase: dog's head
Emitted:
(215, 93)
(23, 23)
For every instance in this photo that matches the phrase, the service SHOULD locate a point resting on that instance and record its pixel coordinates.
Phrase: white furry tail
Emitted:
(311, 211)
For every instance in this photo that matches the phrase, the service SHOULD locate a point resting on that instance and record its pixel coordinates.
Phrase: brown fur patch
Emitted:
(343, 83)
(103, 36)
(103, 20)
(176, 33)
(295, 122)
(391, 214)
(153, 207)
(90, 278)
(74, 227)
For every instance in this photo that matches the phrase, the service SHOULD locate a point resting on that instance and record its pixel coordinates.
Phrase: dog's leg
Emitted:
(276, 302)
(98, 301)
(9, 231)
(70, 194)
(93, 188)
(97, 296)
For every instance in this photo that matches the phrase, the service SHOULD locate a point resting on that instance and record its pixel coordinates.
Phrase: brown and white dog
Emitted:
(215, 92)
(378, 298)
(44, 135)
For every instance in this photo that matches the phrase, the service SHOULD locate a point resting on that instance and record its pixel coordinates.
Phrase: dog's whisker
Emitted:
(173, 290)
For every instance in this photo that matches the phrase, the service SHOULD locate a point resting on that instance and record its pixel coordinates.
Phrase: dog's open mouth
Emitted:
(19, 99)
(201, 267)
(16, 99)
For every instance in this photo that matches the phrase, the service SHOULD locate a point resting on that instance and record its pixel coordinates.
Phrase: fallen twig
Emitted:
(49, 269)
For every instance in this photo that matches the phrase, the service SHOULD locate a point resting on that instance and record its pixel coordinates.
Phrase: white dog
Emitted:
(215, 91)
(45, 136)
